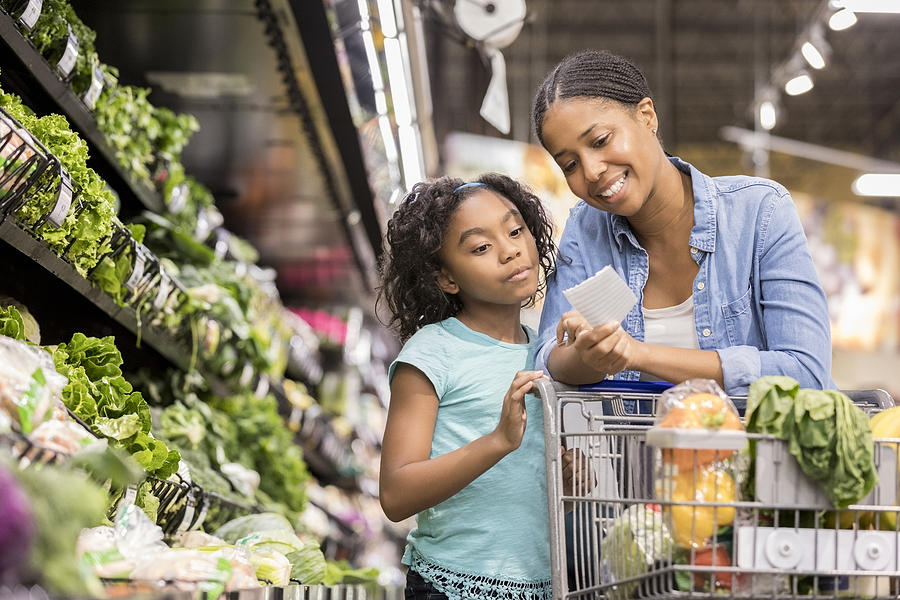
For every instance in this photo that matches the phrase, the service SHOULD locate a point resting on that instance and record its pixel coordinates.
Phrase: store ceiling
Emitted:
(212, 59)
(701, 58)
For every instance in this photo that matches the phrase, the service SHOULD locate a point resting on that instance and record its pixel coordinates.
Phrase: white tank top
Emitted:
(671, 326)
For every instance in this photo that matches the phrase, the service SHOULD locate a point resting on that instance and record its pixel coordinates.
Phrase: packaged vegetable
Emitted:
(696, 404)
(29, 383)
(693, 526)
(633, 542)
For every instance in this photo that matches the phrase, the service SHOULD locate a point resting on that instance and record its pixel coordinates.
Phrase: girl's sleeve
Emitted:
(793, 306)
(570, 271)
(427, 355)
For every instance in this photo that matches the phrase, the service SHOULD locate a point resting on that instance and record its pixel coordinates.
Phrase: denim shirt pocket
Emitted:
(738, 316)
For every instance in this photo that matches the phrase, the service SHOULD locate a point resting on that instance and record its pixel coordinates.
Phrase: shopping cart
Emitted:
(611, 527)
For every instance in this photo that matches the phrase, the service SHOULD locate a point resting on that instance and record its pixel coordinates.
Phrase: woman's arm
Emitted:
(793, 308)
(586, 355)
(411, 481)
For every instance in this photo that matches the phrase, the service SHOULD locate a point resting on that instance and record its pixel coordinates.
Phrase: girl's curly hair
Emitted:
(415, 234)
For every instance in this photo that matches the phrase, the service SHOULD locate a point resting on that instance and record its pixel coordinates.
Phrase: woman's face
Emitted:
(606, 150)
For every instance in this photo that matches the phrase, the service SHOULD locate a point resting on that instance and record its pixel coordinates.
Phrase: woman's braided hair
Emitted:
(415, 234)
(589, 74)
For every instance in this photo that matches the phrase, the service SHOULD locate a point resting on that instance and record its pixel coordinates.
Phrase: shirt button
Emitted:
(701, 285)
(707, 333)
(694, 250)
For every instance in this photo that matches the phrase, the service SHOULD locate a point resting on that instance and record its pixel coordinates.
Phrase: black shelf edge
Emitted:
(37, 251)
(60, 95)
(167, 347)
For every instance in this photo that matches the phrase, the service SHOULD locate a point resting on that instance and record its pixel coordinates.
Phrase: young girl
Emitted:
(463, 447)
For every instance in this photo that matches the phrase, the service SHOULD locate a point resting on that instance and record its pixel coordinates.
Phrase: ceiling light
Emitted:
(386, 17)
(799, 84)
(767, 115)
(842, 19)
(877, 184)
(870, 6)
(812, 55)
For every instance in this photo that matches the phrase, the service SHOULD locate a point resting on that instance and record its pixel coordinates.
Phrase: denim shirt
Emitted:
(757, 298)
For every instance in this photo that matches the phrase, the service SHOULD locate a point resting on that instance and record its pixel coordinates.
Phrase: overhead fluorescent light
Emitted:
(869, 6)
(813, 56)
(411, 155)
(767, 115)
(877, 184)
(800, 84)
(842, 19)
(397, 77)
(386, 18)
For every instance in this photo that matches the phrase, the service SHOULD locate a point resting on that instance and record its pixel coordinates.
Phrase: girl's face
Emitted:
(606, 150)
(489, 256)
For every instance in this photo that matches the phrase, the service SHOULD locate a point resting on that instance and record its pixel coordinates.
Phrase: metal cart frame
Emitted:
(619, 416)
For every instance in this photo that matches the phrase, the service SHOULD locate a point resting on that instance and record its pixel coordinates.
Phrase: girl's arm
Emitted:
(410, 481)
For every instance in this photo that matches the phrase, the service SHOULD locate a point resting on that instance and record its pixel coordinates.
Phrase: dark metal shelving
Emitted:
(41, 254)
(56, 93)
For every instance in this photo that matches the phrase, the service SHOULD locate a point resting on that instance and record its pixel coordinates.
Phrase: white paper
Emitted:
(602, 298)
(495, 107)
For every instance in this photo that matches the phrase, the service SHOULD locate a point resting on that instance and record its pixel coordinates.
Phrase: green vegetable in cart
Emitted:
(828, 435)
(636, 539)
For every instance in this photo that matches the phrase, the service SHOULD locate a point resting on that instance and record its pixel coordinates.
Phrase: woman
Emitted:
(725, 282)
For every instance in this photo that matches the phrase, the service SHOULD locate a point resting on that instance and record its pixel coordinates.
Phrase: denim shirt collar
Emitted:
(703, 233)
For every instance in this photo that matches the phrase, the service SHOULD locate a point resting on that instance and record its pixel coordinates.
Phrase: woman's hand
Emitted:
(513, 418)
(606, 348)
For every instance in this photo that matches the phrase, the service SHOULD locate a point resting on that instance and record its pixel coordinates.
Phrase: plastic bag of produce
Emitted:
(636, 539)
(234, 530)
(29, 383)
(701, 406)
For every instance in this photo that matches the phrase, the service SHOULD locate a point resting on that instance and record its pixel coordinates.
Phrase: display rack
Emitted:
(53, 93)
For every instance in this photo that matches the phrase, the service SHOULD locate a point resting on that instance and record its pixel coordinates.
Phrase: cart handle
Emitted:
(621, 386)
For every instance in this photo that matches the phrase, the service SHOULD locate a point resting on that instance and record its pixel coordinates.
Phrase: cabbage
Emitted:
(636, 538)
(308, 564)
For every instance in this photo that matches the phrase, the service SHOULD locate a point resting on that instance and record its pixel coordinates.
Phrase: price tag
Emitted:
(221, 248)
(262, 388)
(165, 288)
(31, 13)
(93, 92)
(178, 198)
(246, 375)
(138, 271)
(187, 519)
(130, 495)
(63, 200)
(67, 62)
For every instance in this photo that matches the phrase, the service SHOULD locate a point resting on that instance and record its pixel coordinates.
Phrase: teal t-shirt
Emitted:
(491, 538)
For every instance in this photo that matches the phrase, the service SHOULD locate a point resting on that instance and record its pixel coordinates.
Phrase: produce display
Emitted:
(164, 461)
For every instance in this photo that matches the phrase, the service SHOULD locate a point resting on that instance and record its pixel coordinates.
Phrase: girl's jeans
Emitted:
(419, 589)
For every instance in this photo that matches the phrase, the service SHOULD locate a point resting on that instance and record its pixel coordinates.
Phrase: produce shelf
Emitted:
(53, 93)
(165, 345)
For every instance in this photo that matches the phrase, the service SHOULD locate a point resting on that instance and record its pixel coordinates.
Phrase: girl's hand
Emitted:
(513, 419)
(606, 348)
(578, 477)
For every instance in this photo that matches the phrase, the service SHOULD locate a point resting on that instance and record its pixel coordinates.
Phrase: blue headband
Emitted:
(468, 185)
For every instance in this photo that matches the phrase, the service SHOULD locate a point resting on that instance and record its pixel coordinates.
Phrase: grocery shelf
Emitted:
(54, 94)
(40, 253)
